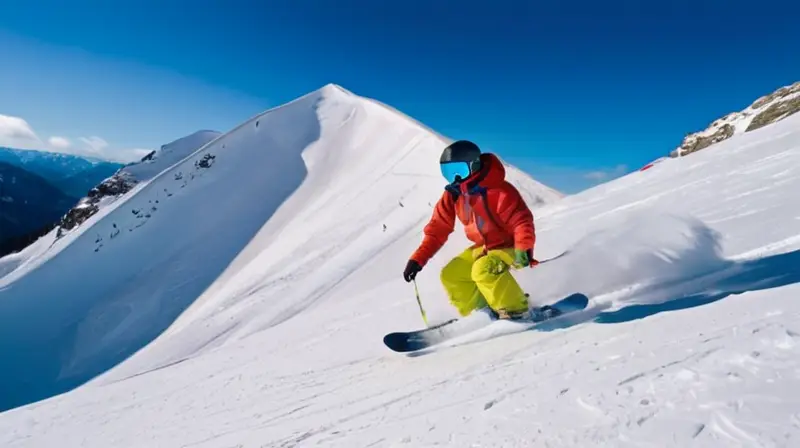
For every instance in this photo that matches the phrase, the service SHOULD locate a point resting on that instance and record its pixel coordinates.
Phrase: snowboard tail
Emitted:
(410, 341)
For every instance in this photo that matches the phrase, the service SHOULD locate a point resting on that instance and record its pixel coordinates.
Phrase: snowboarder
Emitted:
(498, 222)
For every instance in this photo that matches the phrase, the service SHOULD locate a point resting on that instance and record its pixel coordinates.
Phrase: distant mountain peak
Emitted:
(29, 206)
(335, 89)
(73, 174)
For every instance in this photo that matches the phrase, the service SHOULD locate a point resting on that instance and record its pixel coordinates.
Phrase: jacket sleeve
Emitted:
(519, 219)
(437, 230)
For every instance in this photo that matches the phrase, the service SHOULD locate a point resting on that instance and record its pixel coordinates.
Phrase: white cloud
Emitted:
(57, 142)
(608, 174)
(597, 176)
(136, 154)
(16, 132)
(94, 145)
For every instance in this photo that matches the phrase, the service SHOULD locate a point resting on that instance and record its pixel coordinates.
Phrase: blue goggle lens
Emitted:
(452, 171)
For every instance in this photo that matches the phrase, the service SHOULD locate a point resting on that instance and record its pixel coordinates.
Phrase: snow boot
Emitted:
(513, 315)
(536, 314)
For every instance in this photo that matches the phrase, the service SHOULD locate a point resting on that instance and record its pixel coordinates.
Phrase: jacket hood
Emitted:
(492, 173)
(495, 171)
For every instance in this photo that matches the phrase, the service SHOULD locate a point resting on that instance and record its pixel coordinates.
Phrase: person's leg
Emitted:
(492, 275)
(456, 277)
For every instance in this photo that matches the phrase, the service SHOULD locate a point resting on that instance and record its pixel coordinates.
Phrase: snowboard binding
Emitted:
(534, 315)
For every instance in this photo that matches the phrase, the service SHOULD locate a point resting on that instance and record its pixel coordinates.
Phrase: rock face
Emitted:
(776, 112)
(701, 140)
(116, 185)
(764, 111)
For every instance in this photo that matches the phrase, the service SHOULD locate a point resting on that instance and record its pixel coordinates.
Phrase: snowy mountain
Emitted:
(123, 180)
(28, 204)
(765, 110)
(299, 192)
(72, 174)
(265, 257)
(169, 154)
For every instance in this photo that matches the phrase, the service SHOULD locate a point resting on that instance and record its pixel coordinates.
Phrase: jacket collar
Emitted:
(492, 174)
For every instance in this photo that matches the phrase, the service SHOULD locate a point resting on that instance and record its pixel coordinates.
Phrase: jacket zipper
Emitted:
(475, 220)
(489, 213)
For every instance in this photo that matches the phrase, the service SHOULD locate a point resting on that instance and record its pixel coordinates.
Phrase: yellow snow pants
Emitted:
(473, 280)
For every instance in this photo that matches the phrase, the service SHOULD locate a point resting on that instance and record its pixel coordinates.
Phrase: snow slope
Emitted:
(268, 217)
(692, 337)
(142, 171)
(169, 154)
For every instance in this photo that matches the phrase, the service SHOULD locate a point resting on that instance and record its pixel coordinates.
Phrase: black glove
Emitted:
(411, 270)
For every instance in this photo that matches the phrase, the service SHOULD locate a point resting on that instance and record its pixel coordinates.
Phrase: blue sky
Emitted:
(573, 93)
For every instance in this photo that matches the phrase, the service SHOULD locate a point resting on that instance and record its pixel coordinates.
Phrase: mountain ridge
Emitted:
(73, 174)
(765, 110)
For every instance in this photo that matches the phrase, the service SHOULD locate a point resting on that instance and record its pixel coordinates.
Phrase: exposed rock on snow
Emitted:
(702, 140)
(776, 111)
(127, 177)
(764, 111)
(118, 184)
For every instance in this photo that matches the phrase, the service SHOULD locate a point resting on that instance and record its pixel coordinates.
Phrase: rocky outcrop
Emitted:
(776, 112)
(764, 111)
(697, 141)
(782, 93)
(116, 185)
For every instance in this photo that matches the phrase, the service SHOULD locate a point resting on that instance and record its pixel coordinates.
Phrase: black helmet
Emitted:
(460, 160)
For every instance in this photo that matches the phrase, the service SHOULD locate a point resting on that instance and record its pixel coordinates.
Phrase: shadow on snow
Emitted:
(732, 277)
(736, 277)
(84, 311)
(752, 275)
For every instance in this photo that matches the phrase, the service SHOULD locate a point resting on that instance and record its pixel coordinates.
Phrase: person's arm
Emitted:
(437, 231)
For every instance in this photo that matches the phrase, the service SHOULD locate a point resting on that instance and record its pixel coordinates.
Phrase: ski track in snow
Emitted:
(692, 336)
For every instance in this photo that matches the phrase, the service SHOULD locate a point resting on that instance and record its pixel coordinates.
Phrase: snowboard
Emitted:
(410, 341)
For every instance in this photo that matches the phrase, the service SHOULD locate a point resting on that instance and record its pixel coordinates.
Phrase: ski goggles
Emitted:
(455, 171)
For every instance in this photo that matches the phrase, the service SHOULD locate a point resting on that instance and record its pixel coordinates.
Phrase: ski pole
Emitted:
(419, 302)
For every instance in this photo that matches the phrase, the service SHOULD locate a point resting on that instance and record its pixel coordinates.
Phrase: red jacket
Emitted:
(492, 211)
